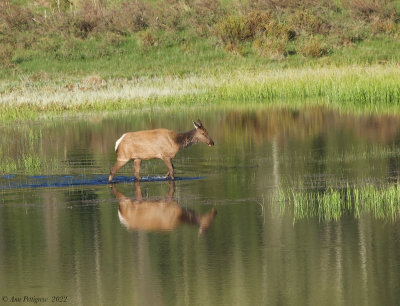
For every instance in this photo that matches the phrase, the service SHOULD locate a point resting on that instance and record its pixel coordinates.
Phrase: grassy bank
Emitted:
(372, 89)
(268, 30)
(69, 56)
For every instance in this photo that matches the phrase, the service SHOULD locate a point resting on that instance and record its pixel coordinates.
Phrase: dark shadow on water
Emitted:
(11, 181)
(158, 214)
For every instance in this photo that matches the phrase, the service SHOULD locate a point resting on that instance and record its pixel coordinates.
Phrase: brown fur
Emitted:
(159, 143)
(158, 214)
(148, 144)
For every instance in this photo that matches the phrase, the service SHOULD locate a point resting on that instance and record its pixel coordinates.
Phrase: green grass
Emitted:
(27, 164)
(332, 204)
(192, 57)
(83, 59)
(365, 89)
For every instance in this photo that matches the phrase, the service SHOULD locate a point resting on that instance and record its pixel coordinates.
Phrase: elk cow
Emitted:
(160, 143)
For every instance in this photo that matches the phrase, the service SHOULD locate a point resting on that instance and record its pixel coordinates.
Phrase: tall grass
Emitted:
(332, 204)
(349, 89)
(354, 87)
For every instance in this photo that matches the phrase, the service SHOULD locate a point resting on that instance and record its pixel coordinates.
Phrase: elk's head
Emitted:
(201, 134)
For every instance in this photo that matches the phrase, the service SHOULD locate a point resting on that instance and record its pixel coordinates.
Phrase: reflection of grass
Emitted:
(332, 204)
(8, 166)
(29, 164)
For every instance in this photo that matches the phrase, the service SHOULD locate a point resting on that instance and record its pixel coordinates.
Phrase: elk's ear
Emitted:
(196, 125)
(199, 124)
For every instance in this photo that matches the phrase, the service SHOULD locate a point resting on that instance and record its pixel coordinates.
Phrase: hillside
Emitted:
(133, 38)
(65, 55)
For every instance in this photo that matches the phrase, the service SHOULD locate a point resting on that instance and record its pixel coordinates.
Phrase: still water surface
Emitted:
(222, 237)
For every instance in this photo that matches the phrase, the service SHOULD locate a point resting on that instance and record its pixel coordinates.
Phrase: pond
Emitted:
(290, 207)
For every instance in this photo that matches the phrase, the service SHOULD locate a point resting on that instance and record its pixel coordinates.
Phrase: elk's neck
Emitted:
(185, 140)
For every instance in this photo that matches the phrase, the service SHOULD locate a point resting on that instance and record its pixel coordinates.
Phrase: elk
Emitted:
(159, 143)
(155, 214)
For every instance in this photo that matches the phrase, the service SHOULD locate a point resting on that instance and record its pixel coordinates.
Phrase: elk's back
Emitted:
(147, 144)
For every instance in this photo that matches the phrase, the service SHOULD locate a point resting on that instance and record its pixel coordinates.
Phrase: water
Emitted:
(225, 239)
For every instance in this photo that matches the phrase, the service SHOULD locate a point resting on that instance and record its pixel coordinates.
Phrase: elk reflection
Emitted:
(155, 214)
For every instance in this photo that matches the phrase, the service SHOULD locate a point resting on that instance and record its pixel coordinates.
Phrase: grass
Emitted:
(370, 89)
(67, 57)
(32, 164)
(27, 164)
(332, 204)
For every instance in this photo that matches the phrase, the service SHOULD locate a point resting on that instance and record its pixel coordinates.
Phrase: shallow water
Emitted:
(74, 238)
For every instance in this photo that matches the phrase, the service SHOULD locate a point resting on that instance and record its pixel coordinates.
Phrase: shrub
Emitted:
(15, 18)
(149, 39)
(89, 18)
(367, 8)
(60, 5)
(257, 20)
(289, 5)
(279, 30)
(313, 48)
(232, 30)
(309, 23)
(6, 54)
(205, 14)
(274, 41)
(133, 16)
(273, 48)
(235, 49)
(49, 43)
(383, 25)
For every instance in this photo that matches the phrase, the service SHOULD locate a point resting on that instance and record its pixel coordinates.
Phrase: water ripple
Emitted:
(10, 181)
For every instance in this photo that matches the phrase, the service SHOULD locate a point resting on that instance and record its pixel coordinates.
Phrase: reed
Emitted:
(382, 202)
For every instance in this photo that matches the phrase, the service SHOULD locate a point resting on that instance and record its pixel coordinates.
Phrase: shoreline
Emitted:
(373, 89)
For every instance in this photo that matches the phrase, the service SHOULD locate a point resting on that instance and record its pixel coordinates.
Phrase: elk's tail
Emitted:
(118, 142)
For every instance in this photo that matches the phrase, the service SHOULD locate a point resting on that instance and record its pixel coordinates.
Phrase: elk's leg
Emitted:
(118, 165)
(170, 191)
(170, 166)
(138, 191)
(136, 168)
